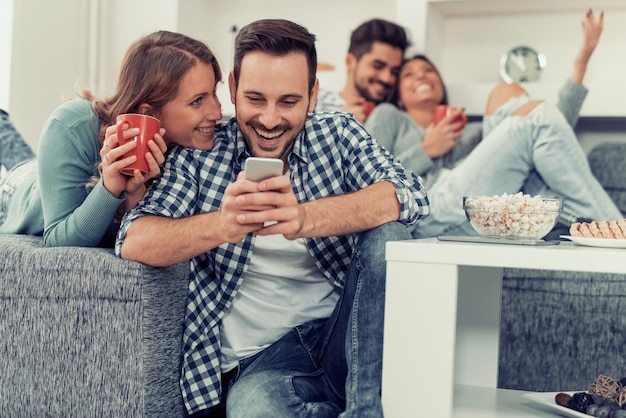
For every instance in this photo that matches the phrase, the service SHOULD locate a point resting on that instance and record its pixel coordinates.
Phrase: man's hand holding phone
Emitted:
(273, 204)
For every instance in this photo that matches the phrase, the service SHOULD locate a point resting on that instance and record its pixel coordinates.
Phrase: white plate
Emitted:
(598, 242)
(547, 399)
(464, 238)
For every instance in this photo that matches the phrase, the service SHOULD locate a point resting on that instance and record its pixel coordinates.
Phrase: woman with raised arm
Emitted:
(521, 145)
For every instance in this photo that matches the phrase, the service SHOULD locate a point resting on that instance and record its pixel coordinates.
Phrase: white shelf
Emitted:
(602, 99)
(466, 39)
(495, 7)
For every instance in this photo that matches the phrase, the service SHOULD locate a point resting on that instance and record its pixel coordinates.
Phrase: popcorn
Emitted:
(513, 216)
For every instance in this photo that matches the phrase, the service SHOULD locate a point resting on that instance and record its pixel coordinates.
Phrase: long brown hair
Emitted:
(151, 73)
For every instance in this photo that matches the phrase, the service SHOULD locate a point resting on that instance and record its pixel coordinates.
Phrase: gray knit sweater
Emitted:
(396, 131)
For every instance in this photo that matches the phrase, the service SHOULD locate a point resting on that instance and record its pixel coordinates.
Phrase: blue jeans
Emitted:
(330, 367)
(537, 154)
(13, 148)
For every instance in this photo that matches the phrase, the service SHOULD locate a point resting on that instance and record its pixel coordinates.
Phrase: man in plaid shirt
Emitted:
(373, 62)
(286, 296)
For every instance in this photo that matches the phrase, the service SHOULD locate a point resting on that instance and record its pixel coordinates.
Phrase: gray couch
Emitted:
(85, 334)
(560, 330)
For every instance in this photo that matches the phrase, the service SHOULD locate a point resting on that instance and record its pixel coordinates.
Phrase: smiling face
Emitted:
(376, 72)
(272, 101)
(419, 83)
(189, 119)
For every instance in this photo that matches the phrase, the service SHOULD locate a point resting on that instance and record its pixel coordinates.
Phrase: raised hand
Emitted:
(591, 29)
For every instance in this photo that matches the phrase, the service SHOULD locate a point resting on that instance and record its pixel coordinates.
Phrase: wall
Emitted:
(121, 22)
(47, 53)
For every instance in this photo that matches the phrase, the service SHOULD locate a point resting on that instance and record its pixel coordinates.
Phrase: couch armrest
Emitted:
(85, 333)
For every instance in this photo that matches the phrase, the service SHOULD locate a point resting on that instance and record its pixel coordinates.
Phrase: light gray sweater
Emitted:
(395, 130)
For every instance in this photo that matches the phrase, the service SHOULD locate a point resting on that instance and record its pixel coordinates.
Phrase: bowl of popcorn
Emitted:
(516, 216)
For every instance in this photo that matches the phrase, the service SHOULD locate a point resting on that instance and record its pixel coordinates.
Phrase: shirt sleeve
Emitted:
(172, 195)
(75, 214)
(394, 130)
(571, 98)
(371, 163)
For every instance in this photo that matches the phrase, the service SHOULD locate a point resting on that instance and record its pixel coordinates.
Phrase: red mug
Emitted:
(442, 111)
(368, 106)
(148, 127)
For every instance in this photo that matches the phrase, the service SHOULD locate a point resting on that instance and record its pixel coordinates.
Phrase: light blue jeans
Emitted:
(330, 367)
(537, 154)
(13, 148)
(17, 158)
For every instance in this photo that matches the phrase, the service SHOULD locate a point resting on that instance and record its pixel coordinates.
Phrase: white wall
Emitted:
(47, 59)
(121, 23)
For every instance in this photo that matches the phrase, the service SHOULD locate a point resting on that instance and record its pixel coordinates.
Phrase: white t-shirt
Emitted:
(281, 289)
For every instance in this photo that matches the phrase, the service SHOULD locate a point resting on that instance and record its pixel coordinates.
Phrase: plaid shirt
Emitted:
(333, 155)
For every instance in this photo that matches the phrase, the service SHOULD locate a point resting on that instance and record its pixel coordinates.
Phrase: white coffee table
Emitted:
(441, 331)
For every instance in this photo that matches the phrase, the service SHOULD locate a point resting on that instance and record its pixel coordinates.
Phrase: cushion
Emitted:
(608, 164)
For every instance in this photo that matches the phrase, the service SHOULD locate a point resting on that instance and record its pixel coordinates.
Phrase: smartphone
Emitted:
(258, 168)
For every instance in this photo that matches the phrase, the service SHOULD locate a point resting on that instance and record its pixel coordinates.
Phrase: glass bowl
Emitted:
(517, 216)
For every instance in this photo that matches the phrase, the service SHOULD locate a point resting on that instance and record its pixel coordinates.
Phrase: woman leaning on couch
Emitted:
(73, 193)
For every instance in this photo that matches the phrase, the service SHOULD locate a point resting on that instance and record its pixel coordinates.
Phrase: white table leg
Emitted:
(420, 330)
(478, 326)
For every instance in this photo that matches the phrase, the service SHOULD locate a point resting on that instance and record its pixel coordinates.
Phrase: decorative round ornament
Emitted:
(522, 64)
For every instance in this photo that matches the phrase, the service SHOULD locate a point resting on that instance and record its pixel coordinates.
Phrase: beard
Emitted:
(363, 92)
(253, 146)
